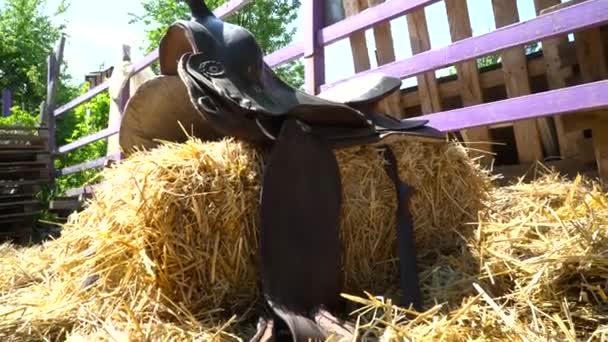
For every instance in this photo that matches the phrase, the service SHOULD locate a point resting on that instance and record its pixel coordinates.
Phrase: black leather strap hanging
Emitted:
(405, 235)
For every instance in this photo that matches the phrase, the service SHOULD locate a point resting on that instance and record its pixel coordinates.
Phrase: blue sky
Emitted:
(97, 29)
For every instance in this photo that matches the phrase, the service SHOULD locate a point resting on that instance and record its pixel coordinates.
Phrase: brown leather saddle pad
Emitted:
(236, 94)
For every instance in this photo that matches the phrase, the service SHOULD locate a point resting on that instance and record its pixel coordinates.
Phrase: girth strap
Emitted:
(405, 235)
(300, 247)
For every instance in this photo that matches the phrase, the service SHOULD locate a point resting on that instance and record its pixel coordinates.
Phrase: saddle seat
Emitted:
(363, 91)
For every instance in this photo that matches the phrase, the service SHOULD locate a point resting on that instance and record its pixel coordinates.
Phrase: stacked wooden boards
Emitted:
(25, 169)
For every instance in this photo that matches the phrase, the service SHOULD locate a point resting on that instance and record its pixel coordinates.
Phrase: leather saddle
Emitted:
(236, 94)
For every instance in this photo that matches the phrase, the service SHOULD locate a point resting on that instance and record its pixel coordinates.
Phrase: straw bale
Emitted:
(168, 244)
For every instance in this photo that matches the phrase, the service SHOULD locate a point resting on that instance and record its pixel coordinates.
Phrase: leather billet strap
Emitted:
(405, 235)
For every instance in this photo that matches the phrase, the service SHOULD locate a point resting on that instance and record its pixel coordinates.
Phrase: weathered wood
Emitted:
(527, 138)
(491, 77)
(92, 164)
(588, 14)
(385, 53)
(469, 85)
(420, 42)
(314, 52)
(600, 147)
(569, 143)
(104, 133)
(7, 102)
(590, 96)
(358, 44)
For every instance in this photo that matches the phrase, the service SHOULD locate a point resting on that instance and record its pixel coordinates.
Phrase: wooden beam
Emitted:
(514, 64)
(420, 42)
(600, 147)
(586, 97)
(314, 52)
(569, 143)
(385, 53)
(469, 85)
(494, 78)
(588, 14)
(358, 44)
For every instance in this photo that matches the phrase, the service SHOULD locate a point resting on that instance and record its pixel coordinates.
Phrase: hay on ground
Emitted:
(171, 240)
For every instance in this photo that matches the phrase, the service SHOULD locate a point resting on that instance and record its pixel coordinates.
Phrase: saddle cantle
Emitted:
(218, 68)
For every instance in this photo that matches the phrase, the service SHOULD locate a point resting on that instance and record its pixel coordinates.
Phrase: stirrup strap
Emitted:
(405, 235)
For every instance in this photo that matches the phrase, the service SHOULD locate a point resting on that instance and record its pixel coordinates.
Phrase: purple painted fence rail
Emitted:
(562, 101)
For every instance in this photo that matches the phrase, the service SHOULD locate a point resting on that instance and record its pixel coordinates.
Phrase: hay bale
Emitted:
(168, 244)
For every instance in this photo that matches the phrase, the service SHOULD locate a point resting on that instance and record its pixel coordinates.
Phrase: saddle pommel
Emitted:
(199, 8)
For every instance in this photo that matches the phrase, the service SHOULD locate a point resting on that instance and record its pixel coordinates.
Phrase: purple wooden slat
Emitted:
(7, 102)
(385, 11)
(104, 133)
(81, 191)
(100, 88)
(313, 51)
(285, 55)
(587, 14)
(561, 101)
(93, 164)
(222, 11)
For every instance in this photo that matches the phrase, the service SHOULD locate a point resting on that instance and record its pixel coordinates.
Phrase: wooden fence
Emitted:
(7, 102)
(542, 105)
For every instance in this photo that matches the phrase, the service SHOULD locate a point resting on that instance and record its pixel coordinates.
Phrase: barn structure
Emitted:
(545, 99)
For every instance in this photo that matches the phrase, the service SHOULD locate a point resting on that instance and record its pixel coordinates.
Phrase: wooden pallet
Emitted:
(24, 170)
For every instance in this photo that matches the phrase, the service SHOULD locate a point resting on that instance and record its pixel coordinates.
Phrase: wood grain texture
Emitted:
(358, 44)
(469, 85)
(385, 53)
(569, 142)
(420, 41)
(515, 68)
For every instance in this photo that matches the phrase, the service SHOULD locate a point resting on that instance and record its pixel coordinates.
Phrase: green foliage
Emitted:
(85, 120)
(27, 38)
(266, 19)
(20, 117)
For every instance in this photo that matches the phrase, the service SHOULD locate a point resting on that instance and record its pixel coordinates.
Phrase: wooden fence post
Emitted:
(314, 53)
(7, 102)
(47, 115)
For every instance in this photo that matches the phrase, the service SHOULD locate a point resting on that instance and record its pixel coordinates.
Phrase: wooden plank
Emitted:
(385, 53)
(371, 17)
(19, 215)
(86, 190)
(527, 138)
(569, 143)
(72, 205)
(588, 14)
(491, 77)
(92, 164)
(600, 148)
(585, 97)
(420, 42)
(314, 52)
(469, 84)
(20, 203)
(358, 44)
(104, 133)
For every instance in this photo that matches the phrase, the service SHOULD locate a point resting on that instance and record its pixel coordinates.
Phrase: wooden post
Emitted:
(358, 44)
(7, 102)
(468, 74)
(385, 53)
(314, 53)
(569, 142)
(514, 65)
(47, 116)
(420, 42)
